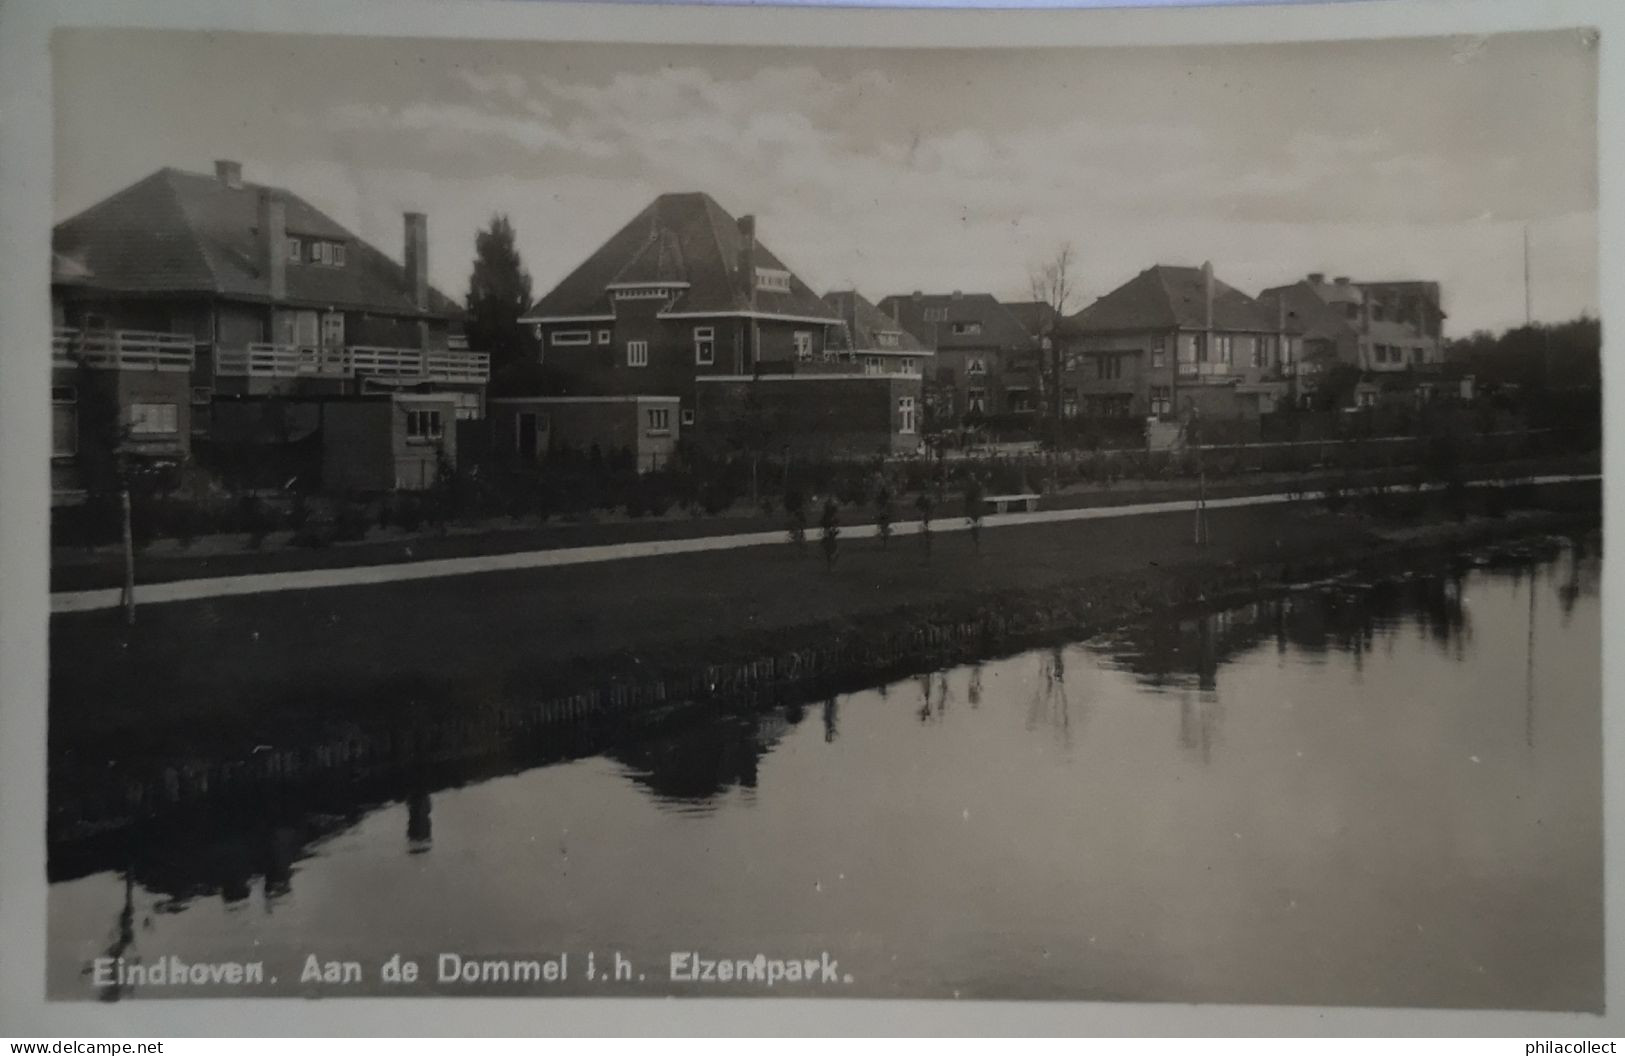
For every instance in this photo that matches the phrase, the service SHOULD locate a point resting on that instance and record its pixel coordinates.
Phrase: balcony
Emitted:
(122, 350)
(1213, 370)
(262, 360)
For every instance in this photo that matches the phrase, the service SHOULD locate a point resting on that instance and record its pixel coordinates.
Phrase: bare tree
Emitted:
(1053, 286)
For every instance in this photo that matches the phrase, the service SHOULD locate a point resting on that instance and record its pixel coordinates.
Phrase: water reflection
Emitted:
(1022, 717)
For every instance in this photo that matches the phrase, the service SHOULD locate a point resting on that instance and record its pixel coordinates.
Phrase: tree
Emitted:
(830, 533)
(975, 504)
(924, 505)
(1053, 287)
(498, 294)
(883, 514)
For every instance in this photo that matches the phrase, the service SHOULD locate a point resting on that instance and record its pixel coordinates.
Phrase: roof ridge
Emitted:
(712, 207)
(198, 243)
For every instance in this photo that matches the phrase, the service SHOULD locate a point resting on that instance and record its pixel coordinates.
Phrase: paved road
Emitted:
(317, 578)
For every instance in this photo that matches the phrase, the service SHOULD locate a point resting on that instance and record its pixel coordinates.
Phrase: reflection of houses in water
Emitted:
(1049, 705)
(1339, 617)
(704, 760)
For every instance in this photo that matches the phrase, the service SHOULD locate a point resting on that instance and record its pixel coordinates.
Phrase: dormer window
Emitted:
(970, 328)
(316, 251)
(936, 315)
(886, 339)
(773, 279)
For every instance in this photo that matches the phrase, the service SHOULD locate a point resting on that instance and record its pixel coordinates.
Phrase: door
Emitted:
(527, 434)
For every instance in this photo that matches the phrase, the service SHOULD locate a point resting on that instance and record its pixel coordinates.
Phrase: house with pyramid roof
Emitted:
(682, 291)
(1173, 339)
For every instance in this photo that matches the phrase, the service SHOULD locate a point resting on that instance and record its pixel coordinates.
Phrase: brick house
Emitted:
(985, 363)
(683, 291)
(1383, 329)
(873, 340)
(226, 288)
(529, 427)
(1176, 338)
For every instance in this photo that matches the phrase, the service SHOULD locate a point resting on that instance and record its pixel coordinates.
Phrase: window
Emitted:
(637, 353)
(153, 419)
(333, 330)
(688, 417)
(1069, 402)
(659, 420)
(202, 395)
(571, 337)
(1159, 352)
(1368, 399)
(975, 400)
(905, 414)
(1109, 368)
(1224, 346)
(906, 365)
(1288, 349)
(603, 337)
(886, 339)
(1161, 400)
(423, 426)
(976, 365)
(64, 421)
(803, 339)
(466, 406)
(874, 365)
(338, 254)
(1263, 350)
(936, 315)
(296, 250)
(705, 345)
(1193, 349)
(773, 279)
(971, 327)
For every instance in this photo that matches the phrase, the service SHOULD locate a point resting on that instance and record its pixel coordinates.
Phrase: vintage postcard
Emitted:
(540, 515)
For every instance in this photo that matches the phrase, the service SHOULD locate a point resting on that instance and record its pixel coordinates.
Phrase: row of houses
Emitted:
(203, 309)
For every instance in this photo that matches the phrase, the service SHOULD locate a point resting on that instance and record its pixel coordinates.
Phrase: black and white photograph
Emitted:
(540, 518)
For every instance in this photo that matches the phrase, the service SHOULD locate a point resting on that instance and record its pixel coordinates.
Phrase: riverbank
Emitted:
(274, 690)
(167, 561)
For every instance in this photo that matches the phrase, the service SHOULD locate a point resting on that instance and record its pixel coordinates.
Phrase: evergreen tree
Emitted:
(498, 294)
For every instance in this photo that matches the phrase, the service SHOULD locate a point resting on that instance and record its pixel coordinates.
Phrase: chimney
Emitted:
(417, 258)
(747, 257)
(273, 238)
(1317, 278)
(1341, 280)
(229, 173)
(1207, 293)
(919, 295)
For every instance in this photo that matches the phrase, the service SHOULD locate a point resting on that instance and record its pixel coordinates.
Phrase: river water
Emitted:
(1359, 794)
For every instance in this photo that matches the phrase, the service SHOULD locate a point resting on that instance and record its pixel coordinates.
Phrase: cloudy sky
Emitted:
(894, 170)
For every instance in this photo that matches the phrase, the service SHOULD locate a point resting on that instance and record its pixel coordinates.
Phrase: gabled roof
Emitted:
(1035, 316)
(1167, 297)
(865, 323)
(180, 232)
(1317, 310)
(999, 329)
(679, 238)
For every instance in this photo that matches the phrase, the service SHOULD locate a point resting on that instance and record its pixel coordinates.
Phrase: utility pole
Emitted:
(1193, 436)
(1528, 304)
(129, 558)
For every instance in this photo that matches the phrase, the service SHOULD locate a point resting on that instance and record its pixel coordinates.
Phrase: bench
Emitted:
(1026, 502)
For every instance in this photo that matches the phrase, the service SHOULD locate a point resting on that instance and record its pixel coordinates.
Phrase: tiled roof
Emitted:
(184, 232)
(1166, 297)
(864, 322)
(1317, 310)
(999, 329)
(1035, 316)
(686, 238)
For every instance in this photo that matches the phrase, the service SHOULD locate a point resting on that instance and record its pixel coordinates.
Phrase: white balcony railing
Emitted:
(1210, 369)
(122, 349)
(262, 360)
